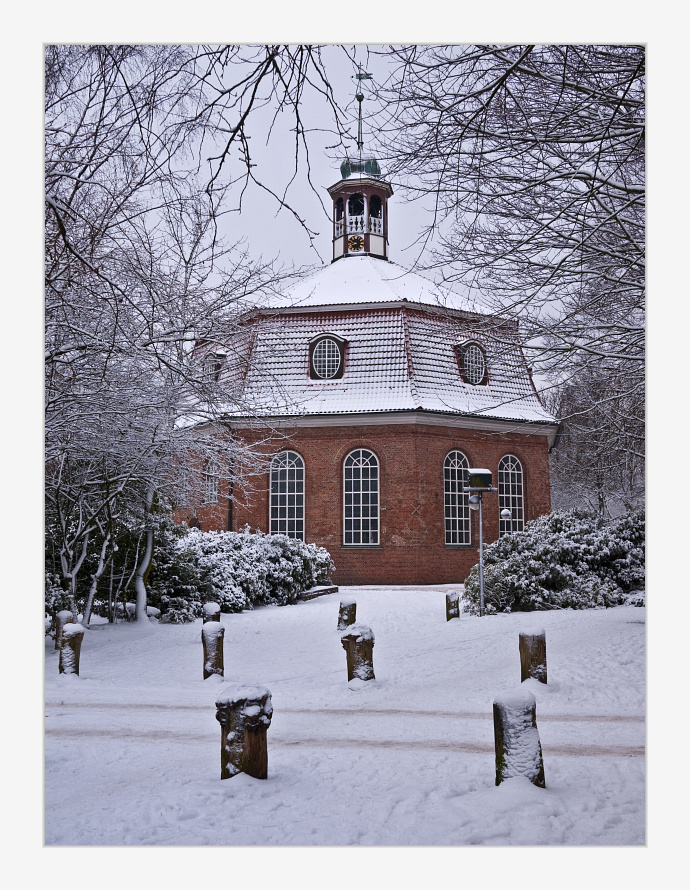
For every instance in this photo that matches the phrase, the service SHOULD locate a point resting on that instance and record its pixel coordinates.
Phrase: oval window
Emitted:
(326, 358)
(473, 364)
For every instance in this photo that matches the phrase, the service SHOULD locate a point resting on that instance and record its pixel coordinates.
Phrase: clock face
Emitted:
(356, 242)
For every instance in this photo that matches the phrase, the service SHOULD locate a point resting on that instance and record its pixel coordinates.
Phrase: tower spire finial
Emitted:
(359, 96)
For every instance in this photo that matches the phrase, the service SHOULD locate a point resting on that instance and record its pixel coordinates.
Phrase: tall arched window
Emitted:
(211, 483)
(361, 500)
(456, 501)
(287, 495)
(511, 494)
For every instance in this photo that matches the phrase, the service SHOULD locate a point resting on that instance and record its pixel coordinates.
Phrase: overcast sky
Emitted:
(271, 231)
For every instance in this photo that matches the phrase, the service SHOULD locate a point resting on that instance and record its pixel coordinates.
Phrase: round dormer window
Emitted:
(326, 359)
(472, 363)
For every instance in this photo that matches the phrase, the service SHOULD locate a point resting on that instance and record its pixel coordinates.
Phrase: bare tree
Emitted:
(534, 156)
(145, 145)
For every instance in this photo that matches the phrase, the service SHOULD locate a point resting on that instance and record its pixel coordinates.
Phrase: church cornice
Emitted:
(351, 186)
(420, 417)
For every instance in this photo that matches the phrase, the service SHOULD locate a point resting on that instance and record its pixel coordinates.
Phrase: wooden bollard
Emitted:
(347, 614)
(358, 643)
(516, 737)
(244, 714)
(61, 619)
(211, 612)
(452, 605)
(212, 638)
(533, 654)
(70, 648)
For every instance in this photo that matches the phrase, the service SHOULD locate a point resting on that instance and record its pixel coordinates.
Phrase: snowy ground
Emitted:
(132, 746)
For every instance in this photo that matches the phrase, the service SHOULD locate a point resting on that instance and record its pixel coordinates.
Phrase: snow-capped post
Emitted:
(347, 614)
(452, 605)
(244, 714)
(516, 737)
(479, 481)
(211, 612)
(358, 643)
(533, 654)
(61, 619)
(70, 648)
(212, 638)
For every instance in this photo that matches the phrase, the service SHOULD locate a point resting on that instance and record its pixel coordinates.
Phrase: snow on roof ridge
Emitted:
(363, 281)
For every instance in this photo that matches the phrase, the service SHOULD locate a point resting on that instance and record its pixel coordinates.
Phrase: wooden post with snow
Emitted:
(212, 634)
(358, 643)
(533, 654)
(516, 737)
(211, 612)
(347, 614)
(61, 619)
(244, 714)
(70, 648)
(452, 605)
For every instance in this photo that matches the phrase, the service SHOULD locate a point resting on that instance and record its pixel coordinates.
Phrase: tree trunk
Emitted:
(212, 638)
(145, 564)
(61, 619)
(347, 613)
(244, 715)
(358, 643)
(70, 648)
(102, 564)
(516, 737)
(533, 655)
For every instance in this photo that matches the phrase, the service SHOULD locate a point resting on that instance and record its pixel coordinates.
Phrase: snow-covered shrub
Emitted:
(237, 570)
(55, 600)
(566, 559)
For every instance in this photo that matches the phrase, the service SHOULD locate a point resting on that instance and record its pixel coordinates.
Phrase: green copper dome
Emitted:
(367, 166)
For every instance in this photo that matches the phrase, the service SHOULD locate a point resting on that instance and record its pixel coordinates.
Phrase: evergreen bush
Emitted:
(564, 560)
(237, 570)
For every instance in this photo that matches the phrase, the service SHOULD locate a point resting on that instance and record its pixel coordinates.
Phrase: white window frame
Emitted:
(328, 344)
(211, 480)
(292, 464)
(455, 500)
(511, 494)
(349, 500)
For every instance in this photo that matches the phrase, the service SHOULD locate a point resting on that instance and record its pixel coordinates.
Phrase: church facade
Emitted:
(377, 391)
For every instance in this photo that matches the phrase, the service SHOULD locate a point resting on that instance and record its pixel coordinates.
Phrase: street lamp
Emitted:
(479, 482)
(507, 516)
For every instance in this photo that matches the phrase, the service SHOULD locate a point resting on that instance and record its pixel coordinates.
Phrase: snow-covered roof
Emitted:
(397, 358)
(361, 280)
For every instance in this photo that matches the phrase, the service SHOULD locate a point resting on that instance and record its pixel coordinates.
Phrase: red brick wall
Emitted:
(412, 533)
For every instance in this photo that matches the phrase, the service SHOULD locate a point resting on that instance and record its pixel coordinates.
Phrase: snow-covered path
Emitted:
(132, 746)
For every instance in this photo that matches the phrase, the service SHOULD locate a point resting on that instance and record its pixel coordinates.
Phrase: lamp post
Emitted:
(508, 517)
(479, 482)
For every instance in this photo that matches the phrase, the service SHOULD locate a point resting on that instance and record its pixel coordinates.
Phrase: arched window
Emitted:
(511, 494)
(287, 495)
(339, 209)
(211, 483)
(361, 500)
(375, 206)
(355, 206)
(456, 501)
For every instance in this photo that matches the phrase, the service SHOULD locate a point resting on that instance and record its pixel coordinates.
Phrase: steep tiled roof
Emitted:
(398, 358)
(401, 332)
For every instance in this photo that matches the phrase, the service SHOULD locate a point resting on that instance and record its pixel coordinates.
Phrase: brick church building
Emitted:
(378, 390)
